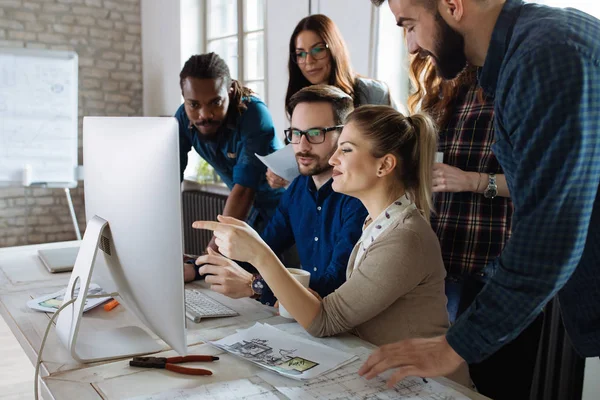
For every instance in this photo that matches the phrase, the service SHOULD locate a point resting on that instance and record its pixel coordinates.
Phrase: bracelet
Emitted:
(478, 183)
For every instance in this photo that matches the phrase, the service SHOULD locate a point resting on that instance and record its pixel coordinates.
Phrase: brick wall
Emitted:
(107, 38)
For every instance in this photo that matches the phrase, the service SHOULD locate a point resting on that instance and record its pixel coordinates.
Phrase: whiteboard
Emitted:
(38, 117)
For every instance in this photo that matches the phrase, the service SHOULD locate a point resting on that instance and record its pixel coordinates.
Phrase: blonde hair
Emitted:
(412, 140)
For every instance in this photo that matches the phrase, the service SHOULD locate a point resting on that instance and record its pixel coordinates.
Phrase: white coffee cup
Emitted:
(439, 157)
(301, 276)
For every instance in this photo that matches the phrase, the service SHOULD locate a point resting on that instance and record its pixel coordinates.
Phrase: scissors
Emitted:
(169, 363)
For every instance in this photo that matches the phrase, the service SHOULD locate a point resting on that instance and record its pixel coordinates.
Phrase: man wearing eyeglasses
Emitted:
(324, 225)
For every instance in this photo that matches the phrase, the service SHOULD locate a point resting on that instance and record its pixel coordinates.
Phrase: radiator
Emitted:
(199, 205)
(560, 370)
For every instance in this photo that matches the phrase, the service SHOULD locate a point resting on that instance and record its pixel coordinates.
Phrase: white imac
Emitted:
(133, 242)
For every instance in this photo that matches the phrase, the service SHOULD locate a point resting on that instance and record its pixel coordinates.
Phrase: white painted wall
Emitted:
(192, 28)
(161, 56)
(282, 18)
(355, 24)
(392, 60)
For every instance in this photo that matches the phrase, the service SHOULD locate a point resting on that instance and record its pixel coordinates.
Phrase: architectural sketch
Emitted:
(258, 350)
(241, 389)
(288, 355)
(345, 383)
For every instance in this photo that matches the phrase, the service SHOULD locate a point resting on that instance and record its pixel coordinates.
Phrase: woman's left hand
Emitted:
(447, 178)
(235, 239)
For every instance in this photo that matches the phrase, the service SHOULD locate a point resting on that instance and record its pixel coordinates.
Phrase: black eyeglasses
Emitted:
(318, 52)
(313, 135)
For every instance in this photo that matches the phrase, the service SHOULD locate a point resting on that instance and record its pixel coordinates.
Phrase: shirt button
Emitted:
(315, 269)
(319, 208)
(267, 303)
(316, 239)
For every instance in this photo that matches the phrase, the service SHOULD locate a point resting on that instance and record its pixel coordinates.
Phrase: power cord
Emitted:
(39, 357)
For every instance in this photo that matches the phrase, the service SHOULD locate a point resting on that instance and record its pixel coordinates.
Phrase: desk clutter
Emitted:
(283, 353)
(298, 369)
(52, 302)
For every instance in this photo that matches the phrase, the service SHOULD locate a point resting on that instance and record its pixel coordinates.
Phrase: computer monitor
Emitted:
(133, 241)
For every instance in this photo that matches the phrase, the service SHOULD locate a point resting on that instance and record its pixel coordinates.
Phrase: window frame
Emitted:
(241, 36)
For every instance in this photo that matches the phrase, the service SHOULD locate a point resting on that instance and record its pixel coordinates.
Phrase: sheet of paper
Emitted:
(345, 383)
(242, 389)
(282, 162)
(288, 355)
(52, 302)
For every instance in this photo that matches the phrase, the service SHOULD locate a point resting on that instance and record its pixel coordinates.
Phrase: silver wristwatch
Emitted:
(492, 189)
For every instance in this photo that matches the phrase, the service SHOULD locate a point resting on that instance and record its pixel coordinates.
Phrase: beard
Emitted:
(212, 128)
(450, 59)
(321, 166)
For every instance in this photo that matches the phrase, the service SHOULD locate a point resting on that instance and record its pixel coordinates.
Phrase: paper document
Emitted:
(345, 383)
(242, 389)
(52, 302)
(282, 162)
(277, 351)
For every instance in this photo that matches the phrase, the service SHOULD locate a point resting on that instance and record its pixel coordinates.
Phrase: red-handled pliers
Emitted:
(169, 363)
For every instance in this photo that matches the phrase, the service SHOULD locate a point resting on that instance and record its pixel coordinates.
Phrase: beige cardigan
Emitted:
(396, 292)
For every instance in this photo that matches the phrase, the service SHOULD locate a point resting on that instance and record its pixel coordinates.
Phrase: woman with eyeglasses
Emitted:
(319, 55)
(395, 274)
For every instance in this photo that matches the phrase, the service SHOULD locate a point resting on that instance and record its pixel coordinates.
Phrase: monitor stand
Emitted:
(101, 345)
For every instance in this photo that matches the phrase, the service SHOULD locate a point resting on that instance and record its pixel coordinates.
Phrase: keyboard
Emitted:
(198, 306)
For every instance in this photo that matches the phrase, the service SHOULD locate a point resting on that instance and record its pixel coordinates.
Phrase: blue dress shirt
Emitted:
(232, 153)
(543, 70)
(324, 225)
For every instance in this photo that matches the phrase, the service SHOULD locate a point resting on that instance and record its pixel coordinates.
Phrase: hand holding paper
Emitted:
(282, 163)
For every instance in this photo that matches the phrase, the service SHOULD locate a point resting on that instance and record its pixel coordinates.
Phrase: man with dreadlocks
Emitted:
(226, 124)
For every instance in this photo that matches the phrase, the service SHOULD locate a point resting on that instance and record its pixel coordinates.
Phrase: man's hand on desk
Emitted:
(189, 272)
(413, 357)
(225, 275)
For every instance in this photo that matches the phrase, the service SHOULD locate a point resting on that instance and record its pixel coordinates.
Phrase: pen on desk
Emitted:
(110, 305)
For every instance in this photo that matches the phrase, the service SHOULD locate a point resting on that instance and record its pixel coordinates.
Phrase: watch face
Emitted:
(490, 192)
(258, 285)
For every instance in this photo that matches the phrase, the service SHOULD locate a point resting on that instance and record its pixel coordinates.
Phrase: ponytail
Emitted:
(412, 140)
(424, 154)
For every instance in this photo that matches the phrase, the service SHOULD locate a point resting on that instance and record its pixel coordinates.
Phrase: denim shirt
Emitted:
(232, 153)
(543, 70)
(324, 225)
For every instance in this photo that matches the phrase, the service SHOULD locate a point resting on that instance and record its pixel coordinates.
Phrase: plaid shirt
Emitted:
(543, 67)
(472, 229)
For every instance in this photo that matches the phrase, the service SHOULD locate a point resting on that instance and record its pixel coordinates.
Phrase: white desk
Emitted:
(22, 277)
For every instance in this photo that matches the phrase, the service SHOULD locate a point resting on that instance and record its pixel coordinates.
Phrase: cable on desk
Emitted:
(39, 357)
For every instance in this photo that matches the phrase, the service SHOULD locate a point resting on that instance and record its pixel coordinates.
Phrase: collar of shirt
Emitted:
(322, 192)
(488, 75)
(372, 229)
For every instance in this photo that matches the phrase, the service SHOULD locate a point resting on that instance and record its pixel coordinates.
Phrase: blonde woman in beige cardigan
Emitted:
(395, 275)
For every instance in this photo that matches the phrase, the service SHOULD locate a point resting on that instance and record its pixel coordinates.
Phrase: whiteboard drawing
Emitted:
(38, 115)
